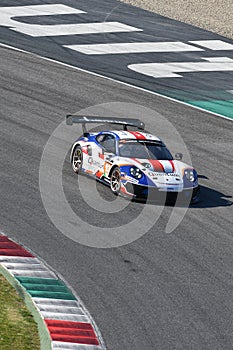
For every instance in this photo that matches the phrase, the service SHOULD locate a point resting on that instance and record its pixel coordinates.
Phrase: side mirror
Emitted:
(178, 156)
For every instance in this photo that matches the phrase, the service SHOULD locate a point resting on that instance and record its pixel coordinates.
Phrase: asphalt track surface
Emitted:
(163, 291)
(211, 90)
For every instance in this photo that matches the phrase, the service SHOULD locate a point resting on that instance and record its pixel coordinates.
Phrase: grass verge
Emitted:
(18, 330)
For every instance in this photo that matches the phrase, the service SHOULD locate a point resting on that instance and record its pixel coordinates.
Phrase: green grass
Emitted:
(18, 330)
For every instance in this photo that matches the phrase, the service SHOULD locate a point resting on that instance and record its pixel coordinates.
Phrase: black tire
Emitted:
(115, 180)
(77, 159)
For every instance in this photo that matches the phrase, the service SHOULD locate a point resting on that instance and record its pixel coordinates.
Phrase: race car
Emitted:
(135, 164)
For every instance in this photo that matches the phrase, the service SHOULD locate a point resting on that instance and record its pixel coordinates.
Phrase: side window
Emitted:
(108, 142)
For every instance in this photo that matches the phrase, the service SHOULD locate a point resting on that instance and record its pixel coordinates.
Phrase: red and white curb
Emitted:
(63, 321)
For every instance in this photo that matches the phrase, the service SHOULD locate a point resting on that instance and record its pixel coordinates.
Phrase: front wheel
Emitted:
(115, 180)
(77, 159)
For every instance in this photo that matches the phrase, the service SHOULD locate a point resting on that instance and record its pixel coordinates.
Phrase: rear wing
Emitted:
(84, 119)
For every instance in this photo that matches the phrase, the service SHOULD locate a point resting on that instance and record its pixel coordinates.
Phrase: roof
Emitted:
(137, 135)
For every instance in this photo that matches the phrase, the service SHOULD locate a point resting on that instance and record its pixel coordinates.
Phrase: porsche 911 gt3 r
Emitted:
(135, 164)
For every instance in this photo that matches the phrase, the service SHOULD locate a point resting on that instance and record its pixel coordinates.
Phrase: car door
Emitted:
(107, 150)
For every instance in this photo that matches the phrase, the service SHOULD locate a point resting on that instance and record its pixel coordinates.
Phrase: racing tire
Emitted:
(77, 159)
(115, 180)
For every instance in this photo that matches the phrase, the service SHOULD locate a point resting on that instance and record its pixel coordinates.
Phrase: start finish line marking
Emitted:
(7, 15)
(10, 18)
(217, 45)
(75, 29)
(170, 70)
(143, 47)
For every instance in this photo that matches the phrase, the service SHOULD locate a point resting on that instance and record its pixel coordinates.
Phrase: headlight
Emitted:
(135, 172)
(190, 174)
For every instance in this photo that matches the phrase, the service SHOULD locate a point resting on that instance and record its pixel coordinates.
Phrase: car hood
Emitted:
(155, 166)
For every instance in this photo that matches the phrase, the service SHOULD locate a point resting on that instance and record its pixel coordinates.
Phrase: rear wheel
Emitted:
(115, 180)
(77, 159)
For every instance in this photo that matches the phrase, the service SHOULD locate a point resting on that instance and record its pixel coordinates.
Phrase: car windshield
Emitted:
(143, 149)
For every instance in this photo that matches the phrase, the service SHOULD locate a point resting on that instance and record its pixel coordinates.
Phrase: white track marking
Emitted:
(75, 29)
(113, 80)
(121, 48)
(35, 30)
(6, 13)
(169, 70)
(216, 45)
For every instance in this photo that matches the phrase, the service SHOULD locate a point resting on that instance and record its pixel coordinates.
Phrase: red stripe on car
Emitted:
(157, 165)
(138, 135)
(172, 164)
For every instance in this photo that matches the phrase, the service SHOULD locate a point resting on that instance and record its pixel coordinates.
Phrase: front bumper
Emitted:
(153, 194)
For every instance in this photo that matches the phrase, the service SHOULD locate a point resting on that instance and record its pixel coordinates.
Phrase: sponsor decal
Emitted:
(164, 174)
(93, 162)
(99, 174)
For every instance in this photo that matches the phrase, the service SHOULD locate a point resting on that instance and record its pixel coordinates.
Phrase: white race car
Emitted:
(135, 164)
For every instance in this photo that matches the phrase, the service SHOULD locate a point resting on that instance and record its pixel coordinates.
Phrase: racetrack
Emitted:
(163, 291)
